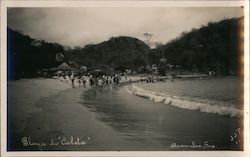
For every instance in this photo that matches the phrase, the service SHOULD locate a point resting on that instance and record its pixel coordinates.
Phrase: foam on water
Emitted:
(203, 106)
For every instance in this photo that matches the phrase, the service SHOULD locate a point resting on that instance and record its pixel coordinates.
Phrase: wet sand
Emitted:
(23, 96)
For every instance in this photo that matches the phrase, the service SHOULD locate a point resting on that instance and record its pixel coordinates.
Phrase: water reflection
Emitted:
(135, 118)
(111, 110)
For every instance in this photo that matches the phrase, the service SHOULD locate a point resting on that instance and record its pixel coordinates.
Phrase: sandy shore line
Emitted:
(185, 104)
(24, 94)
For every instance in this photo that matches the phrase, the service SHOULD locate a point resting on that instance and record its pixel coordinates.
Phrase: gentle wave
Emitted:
(185, 104)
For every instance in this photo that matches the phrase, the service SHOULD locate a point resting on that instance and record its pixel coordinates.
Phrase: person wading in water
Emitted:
(72, 77)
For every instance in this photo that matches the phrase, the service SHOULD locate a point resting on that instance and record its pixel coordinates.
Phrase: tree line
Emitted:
(214, 47)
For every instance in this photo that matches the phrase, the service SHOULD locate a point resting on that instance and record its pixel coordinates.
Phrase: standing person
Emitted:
(116, 79)
(103, 79)
(107, 80)
(91, 80)
(96, 81)
(72, 77)
(110, 80)
(83, 81)
(61, 77)
(67, 78)
(79, 80)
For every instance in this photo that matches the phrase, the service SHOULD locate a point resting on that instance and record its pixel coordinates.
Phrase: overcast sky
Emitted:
(81, 26)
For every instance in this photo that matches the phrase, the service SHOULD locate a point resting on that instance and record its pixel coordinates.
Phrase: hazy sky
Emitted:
(81, 26)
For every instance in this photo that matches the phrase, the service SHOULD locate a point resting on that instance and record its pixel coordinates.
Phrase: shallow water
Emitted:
(228, 90)
(157, 125)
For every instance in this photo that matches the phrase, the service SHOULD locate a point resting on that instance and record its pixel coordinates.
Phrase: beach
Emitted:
(47, 114)
(54, 114)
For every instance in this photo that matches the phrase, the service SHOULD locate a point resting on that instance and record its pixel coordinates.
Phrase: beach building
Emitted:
(62, 67)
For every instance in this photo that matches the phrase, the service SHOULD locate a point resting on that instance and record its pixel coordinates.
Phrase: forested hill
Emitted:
(117, 53)
(217, 46)
(26, 55)
(214, 47)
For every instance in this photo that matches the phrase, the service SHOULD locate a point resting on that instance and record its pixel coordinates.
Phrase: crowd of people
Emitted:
(93, 81)
(84, 80)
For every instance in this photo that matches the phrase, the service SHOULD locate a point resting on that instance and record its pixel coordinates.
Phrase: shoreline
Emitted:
(154, 92)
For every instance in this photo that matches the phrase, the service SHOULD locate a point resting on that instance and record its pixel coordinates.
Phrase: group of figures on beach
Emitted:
(93, 81)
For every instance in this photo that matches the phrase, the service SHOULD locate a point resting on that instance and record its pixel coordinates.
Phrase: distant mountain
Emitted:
(118, 53)
(26, 55)
(216, 47)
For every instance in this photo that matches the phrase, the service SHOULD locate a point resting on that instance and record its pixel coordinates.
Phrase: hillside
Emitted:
(26, 55)
(216, 46)
(118, 53)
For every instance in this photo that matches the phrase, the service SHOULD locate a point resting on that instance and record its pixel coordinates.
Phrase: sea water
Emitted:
(157, 125)
(222, 96)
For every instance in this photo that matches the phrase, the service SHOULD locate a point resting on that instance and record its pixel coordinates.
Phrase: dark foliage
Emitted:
(118, 53)
(215, 47)
(26, 55)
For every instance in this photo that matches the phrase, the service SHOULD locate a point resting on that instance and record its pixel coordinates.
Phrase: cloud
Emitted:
(81, 26)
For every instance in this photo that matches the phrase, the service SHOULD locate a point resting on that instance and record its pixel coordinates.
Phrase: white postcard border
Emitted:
(6, 4)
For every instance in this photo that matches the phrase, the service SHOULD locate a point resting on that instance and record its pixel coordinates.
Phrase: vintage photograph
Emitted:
(125, 78)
